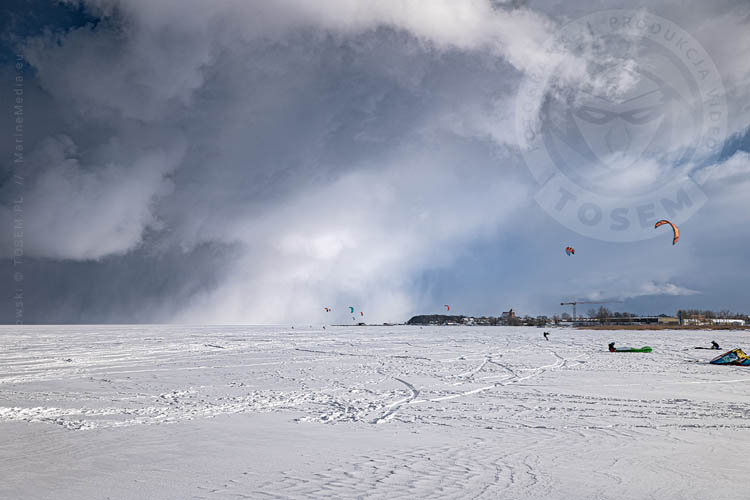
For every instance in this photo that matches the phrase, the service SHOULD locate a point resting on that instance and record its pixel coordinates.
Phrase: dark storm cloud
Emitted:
(256, 161)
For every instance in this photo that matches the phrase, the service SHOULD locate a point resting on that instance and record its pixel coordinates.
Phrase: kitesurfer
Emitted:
(546, 335)
(714, 345)
(611, 347)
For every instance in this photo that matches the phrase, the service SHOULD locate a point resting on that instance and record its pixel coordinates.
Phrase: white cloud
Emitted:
(78, 213)
(647, 289)
(733, 171)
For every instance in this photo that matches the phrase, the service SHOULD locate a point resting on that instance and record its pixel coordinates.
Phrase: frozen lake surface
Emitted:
(217, 412)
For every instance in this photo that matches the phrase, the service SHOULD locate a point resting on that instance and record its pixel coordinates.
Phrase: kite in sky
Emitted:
(675, 231)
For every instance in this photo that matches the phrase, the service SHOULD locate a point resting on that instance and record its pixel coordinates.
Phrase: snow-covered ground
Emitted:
(216, 412)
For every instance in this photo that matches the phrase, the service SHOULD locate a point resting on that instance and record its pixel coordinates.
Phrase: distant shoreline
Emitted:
(662, 327)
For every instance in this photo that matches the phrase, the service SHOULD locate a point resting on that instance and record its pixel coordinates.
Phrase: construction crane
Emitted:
(573, 303)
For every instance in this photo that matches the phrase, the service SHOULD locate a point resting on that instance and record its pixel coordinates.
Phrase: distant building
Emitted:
(726, 321)
(668, 320)
(509, 318)
(695, 321)
(702, 320)
(630, 320)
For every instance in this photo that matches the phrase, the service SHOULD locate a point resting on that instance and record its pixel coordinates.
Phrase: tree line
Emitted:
(605, 313)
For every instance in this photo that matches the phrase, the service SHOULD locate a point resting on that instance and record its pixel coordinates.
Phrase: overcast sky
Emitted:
(241, 161)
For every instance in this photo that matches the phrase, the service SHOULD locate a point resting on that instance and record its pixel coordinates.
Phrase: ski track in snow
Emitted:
(522, 413)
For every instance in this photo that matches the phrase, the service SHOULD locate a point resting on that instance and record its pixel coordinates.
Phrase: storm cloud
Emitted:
(255, 162)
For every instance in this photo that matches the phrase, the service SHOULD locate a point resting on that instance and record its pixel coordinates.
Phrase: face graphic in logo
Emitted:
(602, 135)
(618, 131)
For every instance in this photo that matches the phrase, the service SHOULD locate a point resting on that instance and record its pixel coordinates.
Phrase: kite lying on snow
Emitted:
(612, 348)
(733, 357)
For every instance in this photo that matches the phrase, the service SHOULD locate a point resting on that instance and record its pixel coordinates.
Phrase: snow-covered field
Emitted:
(216, 412)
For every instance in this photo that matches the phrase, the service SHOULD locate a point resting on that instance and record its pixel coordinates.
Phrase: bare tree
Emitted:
(603, 313)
